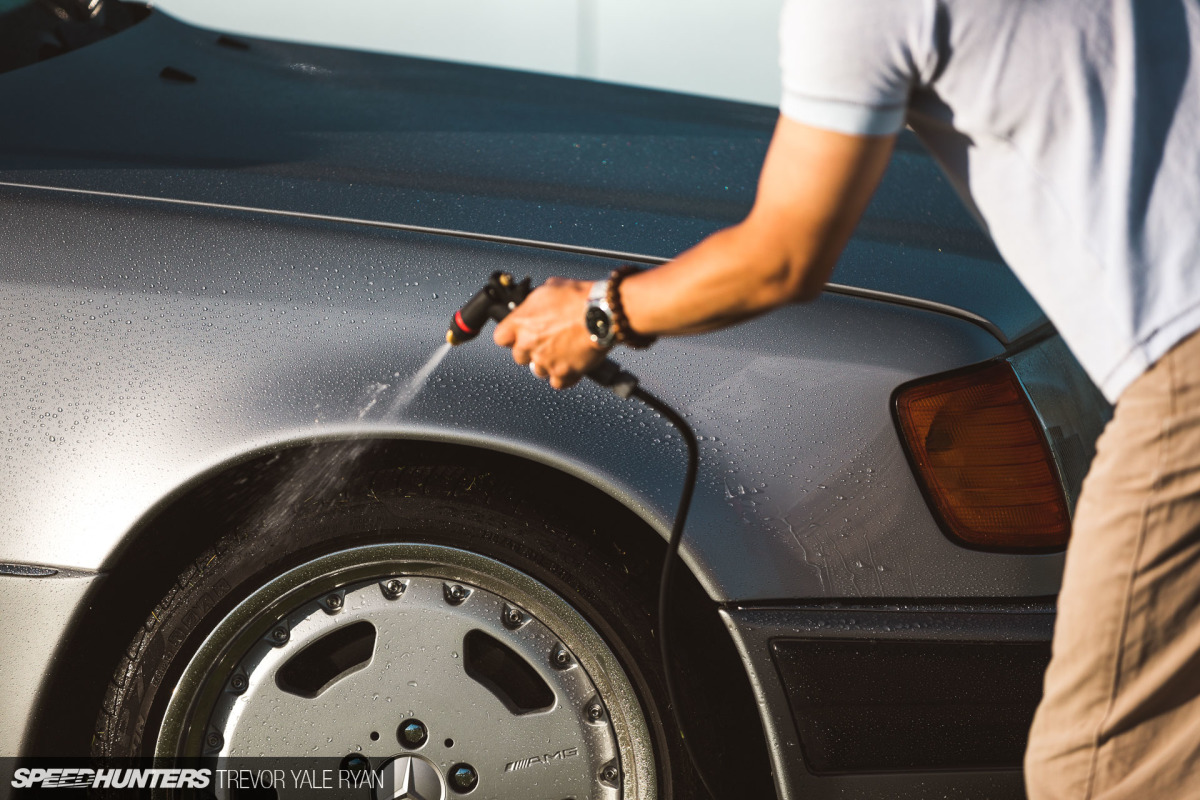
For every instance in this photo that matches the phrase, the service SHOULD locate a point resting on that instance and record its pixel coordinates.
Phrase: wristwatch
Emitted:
(598, 316)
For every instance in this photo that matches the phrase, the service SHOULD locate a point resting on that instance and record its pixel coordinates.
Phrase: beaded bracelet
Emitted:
(625, 334)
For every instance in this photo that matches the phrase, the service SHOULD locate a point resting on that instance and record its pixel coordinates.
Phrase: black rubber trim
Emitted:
(877, 706)
(996, 620)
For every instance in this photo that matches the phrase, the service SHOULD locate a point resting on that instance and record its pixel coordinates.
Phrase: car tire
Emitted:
(429, 529)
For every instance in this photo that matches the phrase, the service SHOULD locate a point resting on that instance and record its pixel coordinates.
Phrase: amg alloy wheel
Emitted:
(474, 674)
(421, 621)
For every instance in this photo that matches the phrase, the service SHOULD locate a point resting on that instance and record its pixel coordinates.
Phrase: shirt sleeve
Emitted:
(848, 65)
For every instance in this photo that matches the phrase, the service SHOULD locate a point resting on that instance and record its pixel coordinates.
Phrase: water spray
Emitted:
(497, 300)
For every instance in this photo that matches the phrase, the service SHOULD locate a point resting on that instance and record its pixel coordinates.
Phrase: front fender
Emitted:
(150, 344)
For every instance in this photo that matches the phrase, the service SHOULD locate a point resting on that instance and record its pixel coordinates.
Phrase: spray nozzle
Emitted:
(494, 301)
(500, 296)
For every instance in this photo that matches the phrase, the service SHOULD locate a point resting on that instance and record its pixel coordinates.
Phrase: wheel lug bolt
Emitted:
(333, 602)
(280, 635)
(392, 588)
(454, 593)
(595, 712)
(355, 763)
(513, 617)
(560, 658)
(463, 778)
(238, 683)
(214, 740)
(610, 774)
(412, 733)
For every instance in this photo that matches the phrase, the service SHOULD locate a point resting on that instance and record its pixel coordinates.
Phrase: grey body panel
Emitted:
(179, 340)
(444, 145)
(1072, 409)
(28, 651)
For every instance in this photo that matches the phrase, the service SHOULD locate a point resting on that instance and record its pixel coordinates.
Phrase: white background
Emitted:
(724, 48)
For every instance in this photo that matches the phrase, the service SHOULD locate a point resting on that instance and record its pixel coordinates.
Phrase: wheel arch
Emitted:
(185, 524)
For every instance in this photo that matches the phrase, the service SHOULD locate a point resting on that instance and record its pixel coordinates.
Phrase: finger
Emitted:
(522, 356)
(505, 334)
(538, 370)
(565, 381)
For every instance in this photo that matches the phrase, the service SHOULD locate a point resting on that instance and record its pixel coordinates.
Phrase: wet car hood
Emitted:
(169, 110)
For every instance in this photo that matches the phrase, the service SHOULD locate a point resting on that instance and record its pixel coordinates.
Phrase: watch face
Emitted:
(598, 323)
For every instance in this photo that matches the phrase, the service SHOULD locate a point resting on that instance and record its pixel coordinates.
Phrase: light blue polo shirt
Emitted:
(1072, 126)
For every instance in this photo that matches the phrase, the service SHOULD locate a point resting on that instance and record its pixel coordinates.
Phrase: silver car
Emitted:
(253, 508)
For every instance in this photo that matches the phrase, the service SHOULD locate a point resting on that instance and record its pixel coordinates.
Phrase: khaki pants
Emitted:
(1121, 713)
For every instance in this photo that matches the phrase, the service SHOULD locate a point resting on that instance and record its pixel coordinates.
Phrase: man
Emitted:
(1073, 128)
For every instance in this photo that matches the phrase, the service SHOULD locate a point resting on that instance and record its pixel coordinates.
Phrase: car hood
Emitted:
(168, 110)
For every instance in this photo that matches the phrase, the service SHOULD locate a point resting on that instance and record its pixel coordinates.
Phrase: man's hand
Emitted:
(547, 332)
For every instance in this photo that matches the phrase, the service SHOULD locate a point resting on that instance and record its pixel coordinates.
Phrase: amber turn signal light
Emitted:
(978, 451)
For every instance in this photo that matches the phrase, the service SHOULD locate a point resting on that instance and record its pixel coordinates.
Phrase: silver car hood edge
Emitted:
(835, 288)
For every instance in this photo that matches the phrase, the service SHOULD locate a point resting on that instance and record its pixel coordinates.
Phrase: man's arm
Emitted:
(814, 186)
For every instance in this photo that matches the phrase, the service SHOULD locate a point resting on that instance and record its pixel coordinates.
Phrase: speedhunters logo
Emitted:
(84, 778)
(141, 779)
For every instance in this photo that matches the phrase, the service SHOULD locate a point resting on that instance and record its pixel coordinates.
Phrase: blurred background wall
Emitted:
(723, 48)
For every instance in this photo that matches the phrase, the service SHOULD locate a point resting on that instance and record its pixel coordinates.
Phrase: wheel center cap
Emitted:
(411, 778)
